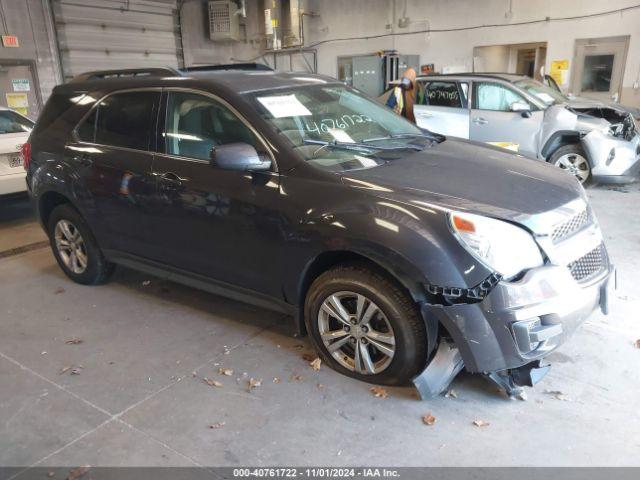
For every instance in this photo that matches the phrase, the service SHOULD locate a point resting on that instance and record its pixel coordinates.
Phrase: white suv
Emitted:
(590, 139)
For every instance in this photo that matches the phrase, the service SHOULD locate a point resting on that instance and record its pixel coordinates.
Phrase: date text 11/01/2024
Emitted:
(315, 472)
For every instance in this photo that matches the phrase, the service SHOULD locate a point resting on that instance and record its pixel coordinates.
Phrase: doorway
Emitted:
(598, 67)
(19, 88)
(520, 58)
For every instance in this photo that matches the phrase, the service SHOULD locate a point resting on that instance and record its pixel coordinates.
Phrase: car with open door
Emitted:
(593, 141)
(405, 255)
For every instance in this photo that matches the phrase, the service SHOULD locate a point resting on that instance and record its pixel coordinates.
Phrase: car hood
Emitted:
(582, 102)
(463, 175)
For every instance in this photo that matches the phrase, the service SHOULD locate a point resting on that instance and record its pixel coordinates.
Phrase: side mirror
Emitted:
(522, 107)
(238, 156)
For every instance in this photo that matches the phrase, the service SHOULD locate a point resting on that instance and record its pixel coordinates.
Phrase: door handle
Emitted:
(480, 121)
(170, 178)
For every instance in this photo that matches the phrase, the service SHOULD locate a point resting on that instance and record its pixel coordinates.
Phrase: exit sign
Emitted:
(10, 41)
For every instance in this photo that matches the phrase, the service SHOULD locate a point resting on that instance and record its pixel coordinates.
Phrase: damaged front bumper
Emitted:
(516, 325)
(613, 159)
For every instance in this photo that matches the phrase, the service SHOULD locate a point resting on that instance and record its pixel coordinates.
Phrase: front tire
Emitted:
(365, 326)
(75, 247)
(573, 159)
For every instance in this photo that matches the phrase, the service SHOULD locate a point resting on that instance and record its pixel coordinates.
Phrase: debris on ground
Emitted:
(51, 474)
(218, 425)
(58, 291)
(225, 371)
(309, 357)
(146, 283)
(481, 423)
(320, 386)
(296, 378)
(78, 472)
(558, 395)
(276, 380)
(428, 419)
(74, 341)
(254, 383)
(212, 383)
(298, 346)
(315, 364)
(72, 369)
(194, 374)
(451, 393)
(379, 392)
(522, 395)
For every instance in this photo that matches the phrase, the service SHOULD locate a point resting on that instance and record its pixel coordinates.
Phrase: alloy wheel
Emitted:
(576, 164)
(71, 247)
(356, 333)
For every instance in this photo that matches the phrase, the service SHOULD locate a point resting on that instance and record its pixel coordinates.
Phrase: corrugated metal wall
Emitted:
(105, 34)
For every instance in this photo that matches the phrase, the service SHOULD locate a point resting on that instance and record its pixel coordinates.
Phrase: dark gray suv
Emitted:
(404, 254)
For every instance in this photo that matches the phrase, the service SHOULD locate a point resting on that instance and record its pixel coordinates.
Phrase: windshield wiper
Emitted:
(356, 145)
(431, 136)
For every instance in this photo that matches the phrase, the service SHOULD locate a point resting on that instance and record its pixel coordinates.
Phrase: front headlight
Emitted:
(503, 247)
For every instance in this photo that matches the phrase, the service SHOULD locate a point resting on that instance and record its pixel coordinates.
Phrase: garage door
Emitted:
(106, 34)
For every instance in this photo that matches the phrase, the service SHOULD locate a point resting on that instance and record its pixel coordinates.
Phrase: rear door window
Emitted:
(124, 120)
(444, 94)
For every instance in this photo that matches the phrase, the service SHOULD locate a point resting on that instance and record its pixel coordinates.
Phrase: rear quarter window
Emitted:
(57, 105)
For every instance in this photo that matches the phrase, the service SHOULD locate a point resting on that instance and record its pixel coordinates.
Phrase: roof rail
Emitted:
(228, 66)
(126, 72)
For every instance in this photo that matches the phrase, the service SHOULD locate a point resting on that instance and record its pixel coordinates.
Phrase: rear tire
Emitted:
(75, 247)
(379, 336)
(573, 159)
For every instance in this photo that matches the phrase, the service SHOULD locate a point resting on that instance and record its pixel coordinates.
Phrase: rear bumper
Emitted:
(520, 322)
(13, 183)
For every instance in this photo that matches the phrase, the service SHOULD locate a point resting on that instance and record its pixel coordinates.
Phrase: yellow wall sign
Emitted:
(560, 71)
(18, 101)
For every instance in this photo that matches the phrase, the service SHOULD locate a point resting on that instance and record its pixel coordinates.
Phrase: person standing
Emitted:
(403, 96)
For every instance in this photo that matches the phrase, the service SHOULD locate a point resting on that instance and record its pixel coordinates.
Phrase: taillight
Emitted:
(25, 150)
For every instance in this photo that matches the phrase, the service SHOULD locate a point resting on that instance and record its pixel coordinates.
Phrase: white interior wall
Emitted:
(370, 17)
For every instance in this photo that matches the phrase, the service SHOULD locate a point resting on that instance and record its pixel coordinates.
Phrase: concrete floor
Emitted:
(140, 398)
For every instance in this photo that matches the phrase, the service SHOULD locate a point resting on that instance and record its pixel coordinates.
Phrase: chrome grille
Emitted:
(589, 265)
(572, 225)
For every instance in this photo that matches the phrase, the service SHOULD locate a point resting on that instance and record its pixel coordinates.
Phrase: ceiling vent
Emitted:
(224, 21)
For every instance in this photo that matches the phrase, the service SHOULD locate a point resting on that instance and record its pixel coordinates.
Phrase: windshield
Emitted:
(548, 95)
(335, 128)
(11, 122)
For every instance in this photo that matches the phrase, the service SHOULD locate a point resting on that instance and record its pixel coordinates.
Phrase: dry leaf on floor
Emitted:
(58, 291)
(296, 378)
(319, 386)
(558, 395)
(428, 419)
(225, 371)
(254, 383)
(78, 472)
(315, 364)
(276, 380)
(74, 341)
(481, 423)
(65, 369)
(298, 346)
(451, 393)
(379, 392)
(637, 344)
(309, 357)
(212, 383)
(218, 425)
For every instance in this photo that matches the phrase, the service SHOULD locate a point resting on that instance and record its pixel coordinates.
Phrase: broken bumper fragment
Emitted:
(516, 325)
